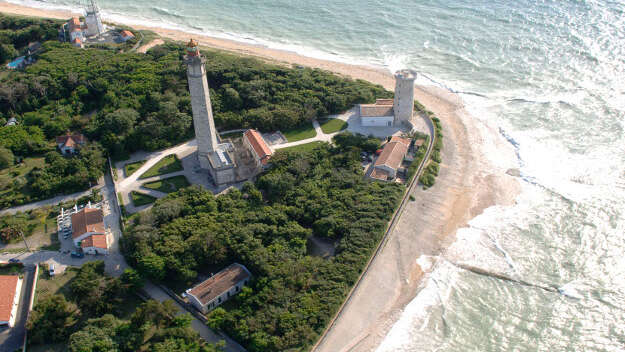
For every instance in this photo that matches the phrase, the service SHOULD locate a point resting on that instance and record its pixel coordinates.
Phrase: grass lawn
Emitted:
(130, 168)
(302, 147)
(332, 125)
(303, 132)
(50, 285)
(166, 165)
(139, 199)
(168, 185)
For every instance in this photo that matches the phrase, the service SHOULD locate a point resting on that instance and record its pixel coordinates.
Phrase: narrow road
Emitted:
(205, 332)
(51, 201)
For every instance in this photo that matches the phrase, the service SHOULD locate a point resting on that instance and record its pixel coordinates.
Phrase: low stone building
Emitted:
(95, 244)
(255, 143)
(217, 289)
(391, 158)
(70, 143)
(86, 223)
(10, 289)
(379, 114)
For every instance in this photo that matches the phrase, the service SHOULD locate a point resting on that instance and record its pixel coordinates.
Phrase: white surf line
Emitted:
(504, 277)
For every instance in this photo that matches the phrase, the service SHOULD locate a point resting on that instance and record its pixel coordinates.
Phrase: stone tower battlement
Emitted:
(403, 103)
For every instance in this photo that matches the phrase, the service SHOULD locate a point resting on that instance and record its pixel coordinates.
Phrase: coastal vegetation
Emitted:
(265, 226)
(86, 310)
(17, 32)
(428, 177)
(126, 102)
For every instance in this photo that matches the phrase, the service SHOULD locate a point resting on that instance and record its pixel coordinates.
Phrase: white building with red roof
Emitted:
(126, 34)
(10, 288)
(95, 244)
(391, 158)
(257, 146)
(217, 289)
(70, 143)
(87, 223)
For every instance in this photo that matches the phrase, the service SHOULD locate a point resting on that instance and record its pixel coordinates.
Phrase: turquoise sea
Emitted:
(550, 76)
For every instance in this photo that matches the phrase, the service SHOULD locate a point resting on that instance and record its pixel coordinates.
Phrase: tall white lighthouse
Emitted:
(216, 157)
(203, 121)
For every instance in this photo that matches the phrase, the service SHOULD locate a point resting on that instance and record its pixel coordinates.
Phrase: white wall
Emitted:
(94, 250)
(377, 121)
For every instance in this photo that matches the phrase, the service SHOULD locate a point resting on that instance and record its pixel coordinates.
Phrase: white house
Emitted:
(95, 244)
(87, 222)
(255, 143)
(69, 143)
(10, 289)
(391, 158)
(217, 289)
(380, 114)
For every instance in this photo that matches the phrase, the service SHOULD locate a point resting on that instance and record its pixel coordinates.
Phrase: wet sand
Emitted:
(467, 185)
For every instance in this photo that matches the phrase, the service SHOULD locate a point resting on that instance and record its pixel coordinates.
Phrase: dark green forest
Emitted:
(99, 313)
(267, 227)
(125, 102)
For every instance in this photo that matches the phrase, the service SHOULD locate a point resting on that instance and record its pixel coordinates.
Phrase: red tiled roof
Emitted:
(419, 142)
(379, 174)
(373, 110)
(98, 241)
(393, 154)
(75, 138)
(404, 141)
(219, 283)
(126, 33)
(261, 149)
(8, 284)
(74, 24)
(87, 220)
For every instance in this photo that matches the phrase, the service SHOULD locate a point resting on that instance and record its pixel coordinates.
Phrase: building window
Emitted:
(236, 289)
(219, 300)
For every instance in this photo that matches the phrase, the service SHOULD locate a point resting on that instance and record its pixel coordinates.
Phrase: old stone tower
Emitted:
(403, 104)
(215, 157)
(203, 122)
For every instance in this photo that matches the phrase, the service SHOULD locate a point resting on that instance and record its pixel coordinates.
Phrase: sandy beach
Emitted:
(467, 185)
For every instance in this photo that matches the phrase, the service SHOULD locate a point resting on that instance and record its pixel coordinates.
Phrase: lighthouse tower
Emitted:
(213, 156)
(93, 20)
(205, 132)
(403, 104)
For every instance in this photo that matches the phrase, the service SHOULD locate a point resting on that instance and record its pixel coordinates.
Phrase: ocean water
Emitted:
(550, 75)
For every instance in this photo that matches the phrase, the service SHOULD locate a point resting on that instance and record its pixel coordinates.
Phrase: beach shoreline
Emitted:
(466, 186)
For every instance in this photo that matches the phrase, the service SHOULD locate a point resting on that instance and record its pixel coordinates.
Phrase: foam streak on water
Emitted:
(551, 76)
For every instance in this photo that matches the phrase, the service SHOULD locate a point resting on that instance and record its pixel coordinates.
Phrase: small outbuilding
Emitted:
(217, 289)
(380, 114)
(10, 288)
